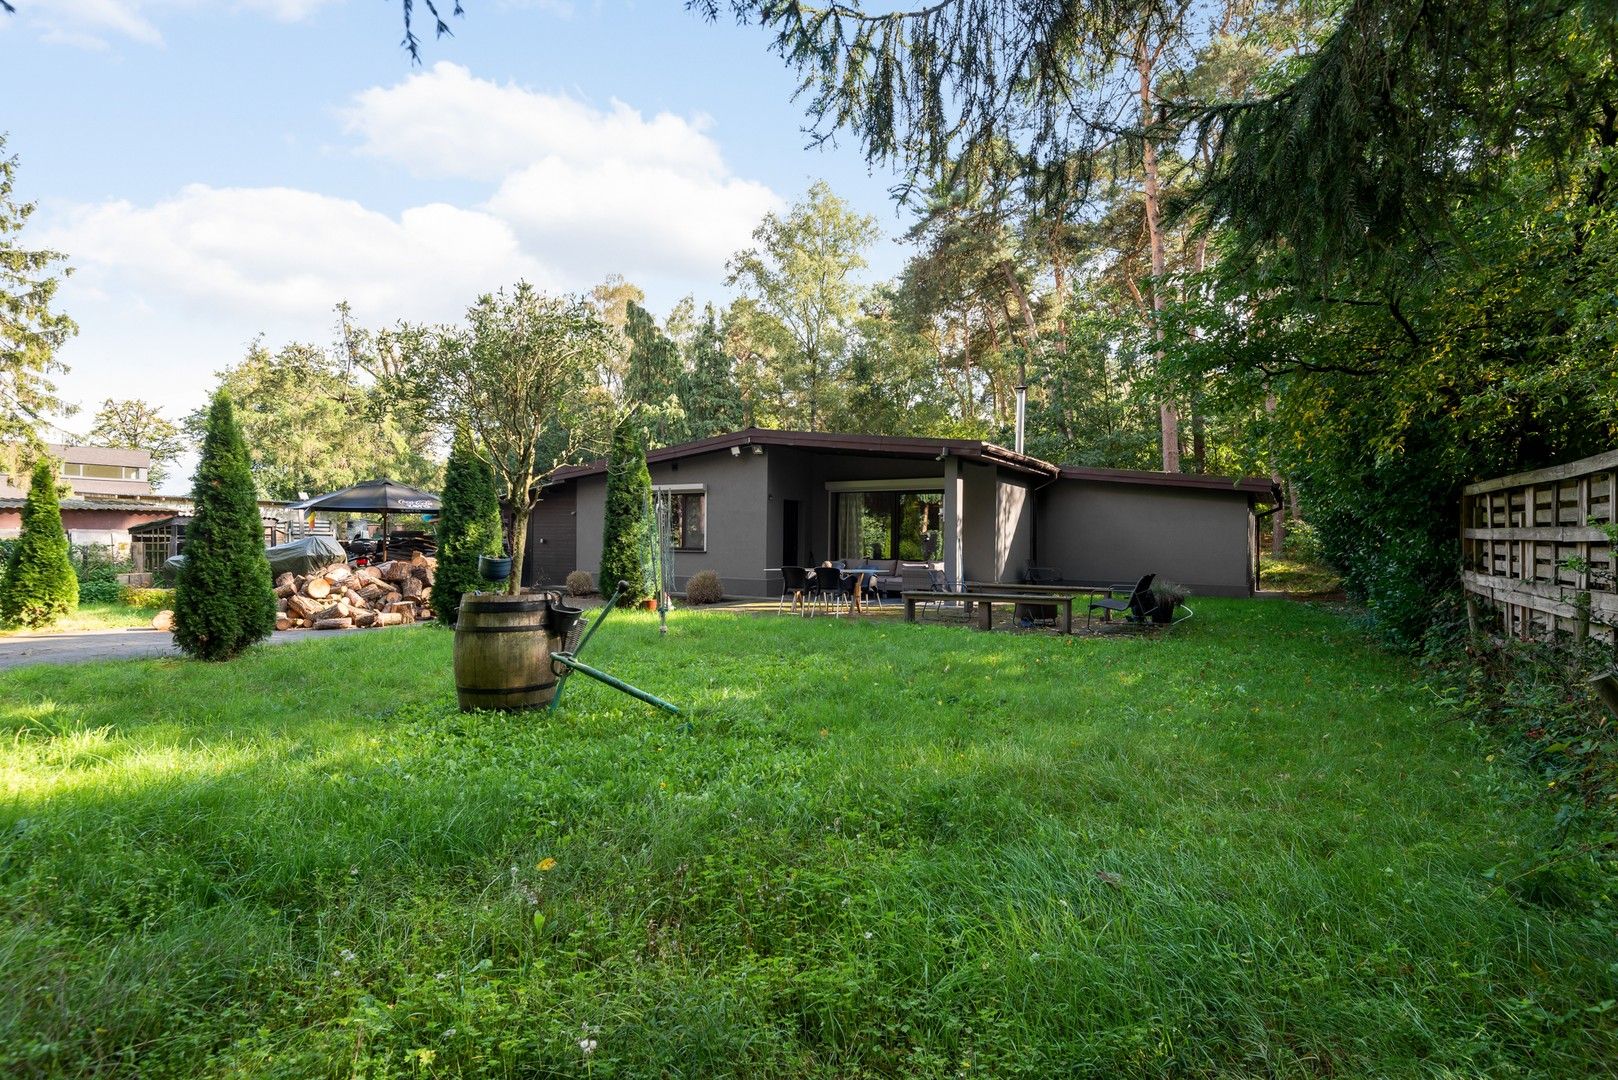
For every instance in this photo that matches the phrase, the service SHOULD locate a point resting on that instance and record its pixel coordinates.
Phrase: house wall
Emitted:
(980, 539)
(88, 527)
(1014, 528)
(552, 548)
(737, 490)
(1107, 533)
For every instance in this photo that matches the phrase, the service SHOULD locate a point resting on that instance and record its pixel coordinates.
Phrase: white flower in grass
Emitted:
(348, 956)
(449, 1033)
(588, 1046)
(868, 935)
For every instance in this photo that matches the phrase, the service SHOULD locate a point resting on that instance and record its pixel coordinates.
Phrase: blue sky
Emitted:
(219, 169)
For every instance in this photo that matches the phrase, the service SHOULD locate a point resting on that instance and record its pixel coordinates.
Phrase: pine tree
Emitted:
(468, 526)
(39, 585)
(625, 535)
(224, 600)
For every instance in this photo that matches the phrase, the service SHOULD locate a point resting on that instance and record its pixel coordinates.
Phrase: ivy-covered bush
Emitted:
(224, 600)
(39, 586)
(627, 531)
(468, 526)
(704, 588)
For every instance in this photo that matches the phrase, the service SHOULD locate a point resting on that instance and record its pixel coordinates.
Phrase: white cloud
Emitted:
(596, 189)
(266, 255)
(91, 24)
(445, 122)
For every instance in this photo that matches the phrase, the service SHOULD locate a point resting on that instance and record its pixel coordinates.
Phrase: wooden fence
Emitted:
(1536, 561)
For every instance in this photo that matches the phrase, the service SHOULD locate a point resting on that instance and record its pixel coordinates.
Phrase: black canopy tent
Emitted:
(385, 497)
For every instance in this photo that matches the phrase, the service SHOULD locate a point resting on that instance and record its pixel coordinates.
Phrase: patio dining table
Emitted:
(859, 572)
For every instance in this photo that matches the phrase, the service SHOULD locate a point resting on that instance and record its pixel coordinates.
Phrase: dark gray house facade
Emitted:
(747, 503)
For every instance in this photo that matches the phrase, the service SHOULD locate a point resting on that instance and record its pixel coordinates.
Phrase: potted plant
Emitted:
(1168, 596)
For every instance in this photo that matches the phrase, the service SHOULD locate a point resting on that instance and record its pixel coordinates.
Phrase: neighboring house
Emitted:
(112, 492)
(747, 503)
(93, 471)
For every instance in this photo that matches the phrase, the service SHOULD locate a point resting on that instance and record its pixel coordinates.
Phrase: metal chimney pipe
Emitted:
(1022, 413)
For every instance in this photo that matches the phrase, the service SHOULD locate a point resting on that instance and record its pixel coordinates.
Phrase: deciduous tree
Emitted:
(514, 374)
(139, 425)
(801, 274)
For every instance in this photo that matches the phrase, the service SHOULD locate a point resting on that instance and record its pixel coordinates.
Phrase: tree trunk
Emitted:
(520, 510)
(1168, 413)
(1278, 525)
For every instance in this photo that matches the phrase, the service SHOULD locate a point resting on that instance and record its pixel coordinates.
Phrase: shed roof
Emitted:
(128, 506)
(925, 447)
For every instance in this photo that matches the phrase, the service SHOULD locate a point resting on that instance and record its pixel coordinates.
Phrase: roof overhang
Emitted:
(901, 446)
(1247, 485)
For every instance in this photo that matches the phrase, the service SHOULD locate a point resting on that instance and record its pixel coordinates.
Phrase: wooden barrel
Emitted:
(502, 653)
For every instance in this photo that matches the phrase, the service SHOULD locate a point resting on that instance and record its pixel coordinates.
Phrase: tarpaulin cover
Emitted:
(302, 556)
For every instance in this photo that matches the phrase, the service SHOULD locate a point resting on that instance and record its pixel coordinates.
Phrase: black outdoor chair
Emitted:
(827, 586)
(1136, 608)
(938, 583)
(794, 586)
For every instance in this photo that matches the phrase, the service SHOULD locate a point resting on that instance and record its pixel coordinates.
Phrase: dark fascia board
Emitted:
(1246, 485)
(889, 445)
(921, 447)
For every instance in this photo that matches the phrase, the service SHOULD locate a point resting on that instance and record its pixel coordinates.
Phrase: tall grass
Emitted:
(1252, 847)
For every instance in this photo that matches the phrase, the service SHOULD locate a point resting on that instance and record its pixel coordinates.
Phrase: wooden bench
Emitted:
(985, 601)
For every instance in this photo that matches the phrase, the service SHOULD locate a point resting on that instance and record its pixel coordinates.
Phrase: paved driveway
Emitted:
(24, 649)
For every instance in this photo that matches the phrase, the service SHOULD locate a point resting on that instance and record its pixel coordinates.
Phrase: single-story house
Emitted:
(747, 503)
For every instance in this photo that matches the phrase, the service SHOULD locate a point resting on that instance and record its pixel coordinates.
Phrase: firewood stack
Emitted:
(340, 597)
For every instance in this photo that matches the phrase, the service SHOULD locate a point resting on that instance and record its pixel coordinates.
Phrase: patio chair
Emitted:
(1137, 607)
(794, 586)
(937, 582)
(826, 586)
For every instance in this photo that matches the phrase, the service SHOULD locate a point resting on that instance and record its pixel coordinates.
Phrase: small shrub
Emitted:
(97, 568)
(1169, 592)
(1302, 542)
(580, 583)
(704, 588)
(146, 599)
(39, 585)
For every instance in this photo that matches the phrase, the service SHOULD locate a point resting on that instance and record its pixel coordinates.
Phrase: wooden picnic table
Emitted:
(985, 602)
(1056, 590)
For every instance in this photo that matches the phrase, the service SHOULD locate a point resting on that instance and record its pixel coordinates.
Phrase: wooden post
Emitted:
(1472, 618)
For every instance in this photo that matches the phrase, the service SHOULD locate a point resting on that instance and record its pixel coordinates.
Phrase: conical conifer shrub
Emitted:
(39, 585)
(223, 600)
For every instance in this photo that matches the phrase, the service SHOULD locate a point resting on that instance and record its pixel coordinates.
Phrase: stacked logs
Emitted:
(340, 597)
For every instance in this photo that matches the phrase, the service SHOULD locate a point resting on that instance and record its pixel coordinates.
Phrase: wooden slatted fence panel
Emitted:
(1537, 551)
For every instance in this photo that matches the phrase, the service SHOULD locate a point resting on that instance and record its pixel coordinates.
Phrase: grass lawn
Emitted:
(1281, 573)
(1253, 847)
(93, 617)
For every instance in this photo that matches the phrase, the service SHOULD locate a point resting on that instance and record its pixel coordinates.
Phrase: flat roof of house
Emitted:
(910, 446)
(100, 455)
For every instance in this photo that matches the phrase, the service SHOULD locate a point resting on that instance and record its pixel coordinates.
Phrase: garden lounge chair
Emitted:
(1137, 607)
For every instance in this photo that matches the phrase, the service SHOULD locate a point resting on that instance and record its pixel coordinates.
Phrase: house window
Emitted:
(687, 515)
(79, 470)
